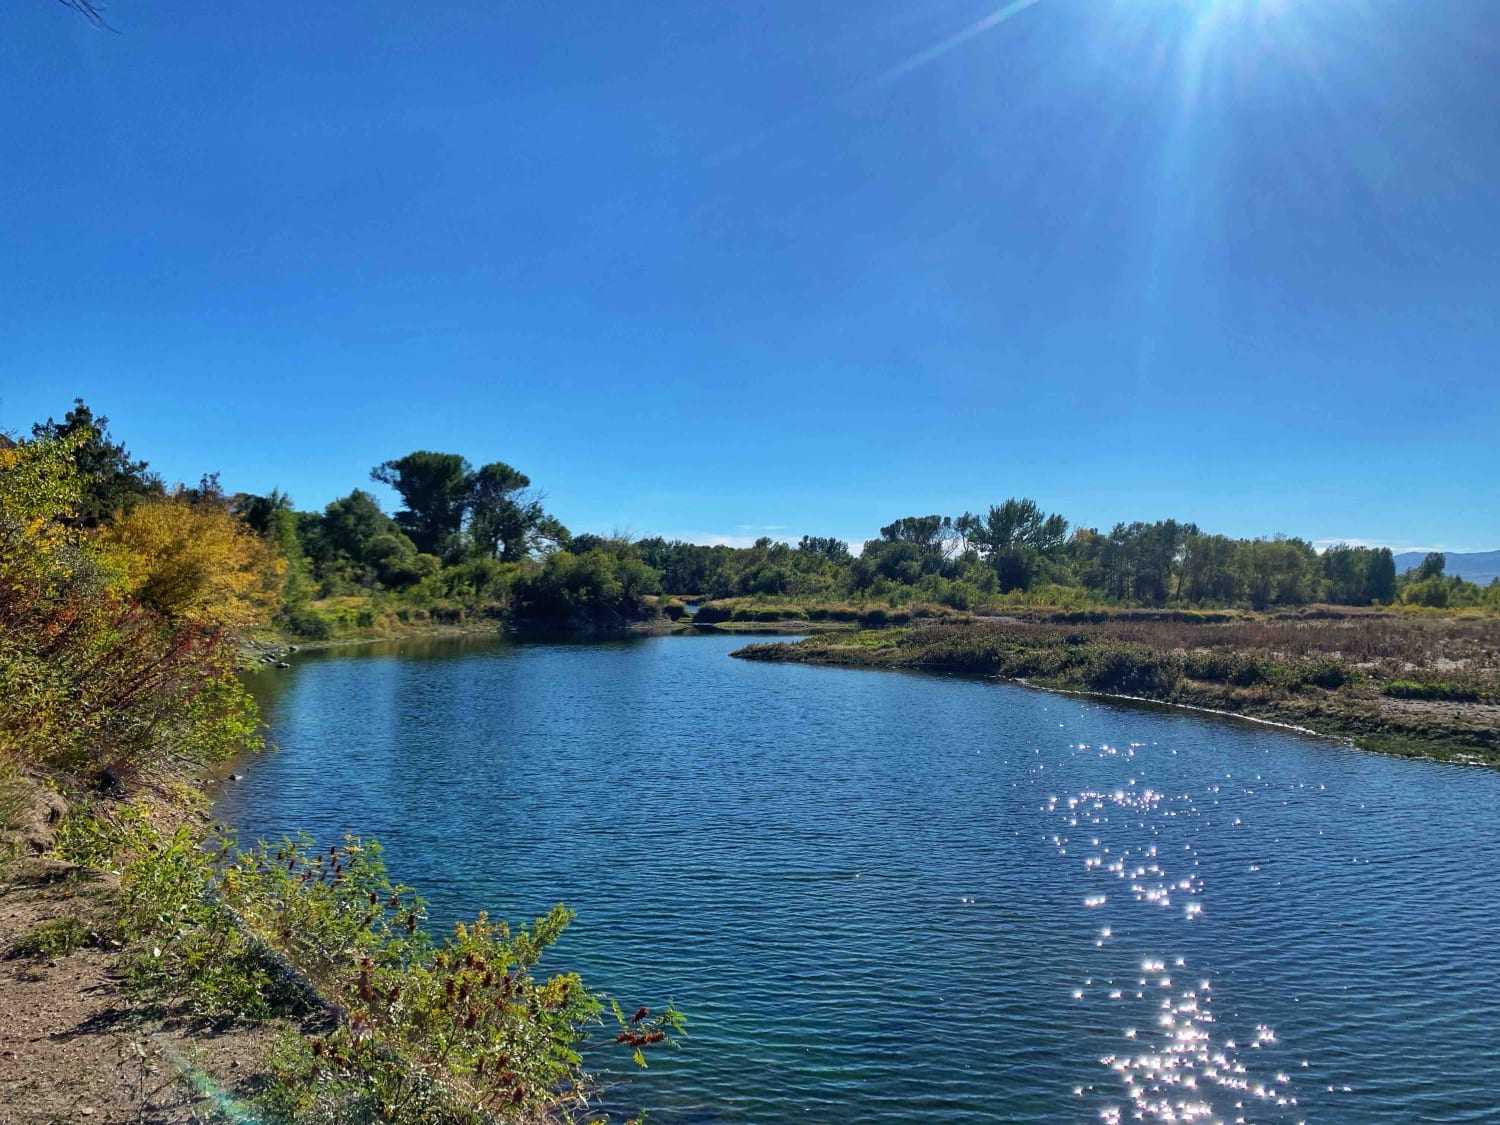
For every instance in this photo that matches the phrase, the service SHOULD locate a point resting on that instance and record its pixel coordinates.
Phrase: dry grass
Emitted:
(1399, 639)
(1400, 683)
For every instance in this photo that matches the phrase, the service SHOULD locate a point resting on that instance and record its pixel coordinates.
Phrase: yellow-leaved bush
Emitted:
(115, 652)
(196, 562)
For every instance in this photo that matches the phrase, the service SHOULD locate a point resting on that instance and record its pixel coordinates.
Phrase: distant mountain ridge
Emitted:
(1479, 567)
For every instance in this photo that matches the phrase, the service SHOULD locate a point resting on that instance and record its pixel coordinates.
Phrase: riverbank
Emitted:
(156, 973)
(77, 1044)
(1397, 684)
(85, 1040)
(270, 648)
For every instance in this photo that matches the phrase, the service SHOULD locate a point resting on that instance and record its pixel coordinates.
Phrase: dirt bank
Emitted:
(74, 1046)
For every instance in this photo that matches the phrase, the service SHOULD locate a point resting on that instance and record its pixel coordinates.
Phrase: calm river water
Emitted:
(905, 898)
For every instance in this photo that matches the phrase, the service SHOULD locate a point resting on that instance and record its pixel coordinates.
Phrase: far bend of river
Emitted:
(903, 898)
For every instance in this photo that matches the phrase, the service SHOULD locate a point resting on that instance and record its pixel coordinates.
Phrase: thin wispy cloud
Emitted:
(943, 46)
(1396, 548)
(906, 66)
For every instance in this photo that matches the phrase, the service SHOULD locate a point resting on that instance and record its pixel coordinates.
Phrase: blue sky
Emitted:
(717, 270)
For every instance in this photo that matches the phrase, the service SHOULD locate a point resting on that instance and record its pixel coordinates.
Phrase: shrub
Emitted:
(1133, 673)
(16, 796)
(959, 595)
(1223, 668)
(196, 561)
(1441, 690)
(307, 623)
(90, 839)
(596, 589)
(1329, 674)
(93, 683)
(1247, 672)
(55, 937)
(452, 1031)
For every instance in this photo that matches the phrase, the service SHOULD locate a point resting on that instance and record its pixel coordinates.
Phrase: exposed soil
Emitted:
(73, 1045)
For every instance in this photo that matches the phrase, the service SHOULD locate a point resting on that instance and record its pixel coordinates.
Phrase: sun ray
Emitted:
(906, 66)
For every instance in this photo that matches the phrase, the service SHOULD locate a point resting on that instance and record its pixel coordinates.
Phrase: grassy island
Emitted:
(1408, 684)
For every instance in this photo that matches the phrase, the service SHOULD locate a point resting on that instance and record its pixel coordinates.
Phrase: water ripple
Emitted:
(920, 899)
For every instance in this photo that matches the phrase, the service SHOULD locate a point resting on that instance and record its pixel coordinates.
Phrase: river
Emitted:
(894, 897)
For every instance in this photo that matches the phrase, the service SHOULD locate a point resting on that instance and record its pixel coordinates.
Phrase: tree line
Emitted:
(468, 538)
(1016, 549)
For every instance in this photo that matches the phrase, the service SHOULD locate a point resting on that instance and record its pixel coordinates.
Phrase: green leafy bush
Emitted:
(16, 795)
(454, 1031)
(1133, 673)
(1223, 668)
(1327, 674)
(307, 623)
(597, 589)
(1440, 690)
(55, 937)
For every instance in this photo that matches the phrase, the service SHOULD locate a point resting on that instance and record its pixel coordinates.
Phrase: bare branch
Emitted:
(89, 11)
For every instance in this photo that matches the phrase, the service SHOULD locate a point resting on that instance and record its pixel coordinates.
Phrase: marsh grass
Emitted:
(1361, 675)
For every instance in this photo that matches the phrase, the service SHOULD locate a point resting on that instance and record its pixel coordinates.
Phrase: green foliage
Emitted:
(927, 532)
(597, 588)
(1432, 566)
(1017, 539)
(502, 516)
(111, 481)
(461, 537)
(16, 796)
(350, 540)
(306, 623)
(1233, 668)
(54, 937)
(1359, 575)
(435, 489)
(1013, 555)
(1133, 672)
(902, 562)
(185, 944)
(476, 580)
(436, 1031)
(433, 1031)
(90, 837)
(93, 682)
(826, 548)
(275, 519)
(1438, 690)
(1327, 674)
(1450, 592)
